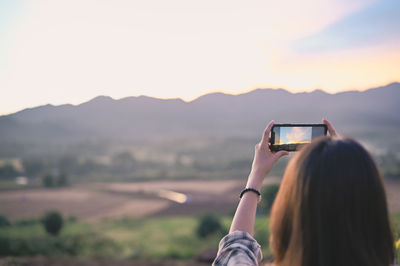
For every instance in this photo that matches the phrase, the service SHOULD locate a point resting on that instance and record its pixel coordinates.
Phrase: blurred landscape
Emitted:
(143, 138)
(133, 177)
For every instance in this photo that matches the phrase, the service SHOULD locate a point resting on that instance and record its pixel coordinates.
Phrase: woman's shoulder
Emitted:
(238, 248)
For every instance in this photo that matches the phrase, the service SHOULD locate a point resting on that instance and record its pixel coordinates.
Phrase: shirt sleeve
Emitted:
(238, 248)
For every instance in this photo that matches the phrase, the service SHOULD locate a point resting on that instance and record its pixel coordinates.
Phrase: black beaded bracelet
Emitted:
(252, 190)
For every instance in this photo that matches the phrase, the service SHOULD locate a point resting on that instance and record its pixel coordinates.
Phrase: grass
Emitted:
(149, 238)
(395, 219)
(9, 185)
(155, 238)
(172, 237)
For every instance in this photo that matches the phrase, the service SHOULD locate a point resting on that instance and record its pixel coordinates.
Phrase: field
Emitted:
(97, 201)
(92, 202)
(132, 223)
(128, 238)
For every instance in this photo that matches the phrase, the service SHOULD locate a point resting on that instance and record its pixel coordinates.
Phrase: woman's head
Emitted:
(331, 208)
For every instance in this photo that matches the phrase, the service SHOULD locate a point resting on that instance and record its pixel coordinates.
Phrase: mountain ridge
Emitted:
(372, 113)
(211, 94)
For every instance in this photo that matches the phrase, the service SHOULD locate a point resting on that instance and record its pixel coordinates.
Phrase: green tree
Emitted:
(8, 171)
(33, 167)
(268, 196)
(4, 221)
(53, 222)
(208, 225)
(48, 180)
(62, 180)
(68, 164)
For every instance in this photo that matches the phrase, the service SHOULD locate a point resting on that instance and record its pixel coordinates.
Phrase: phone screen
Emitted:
(291, 137)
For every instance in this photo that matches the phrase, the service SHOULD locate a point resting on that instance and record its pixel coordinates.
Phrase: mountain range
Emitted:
(372, 114)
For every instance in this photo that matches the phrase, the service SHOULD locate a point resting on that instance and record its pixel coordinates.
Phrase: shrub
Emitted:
(33, 167)
(8, 171)
(262, 236)
(4, 221)
(208, 225)
(4, 246)
(53, 222)
(268, 196)
(41, 246)
(27, 222)
(62, 180)
(48, 180)
(72, 219)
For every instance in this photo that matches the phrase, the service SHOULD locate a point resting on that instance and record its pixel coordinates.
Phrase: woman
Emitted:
(330, 210)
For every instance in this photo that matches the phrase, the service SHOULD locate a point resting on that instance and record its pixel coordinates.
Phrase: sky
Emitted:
(70, 51)
(295, 135)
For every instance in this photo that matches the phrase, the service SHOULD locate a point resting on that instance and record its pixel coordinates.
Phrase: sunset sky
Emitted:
(71, 51)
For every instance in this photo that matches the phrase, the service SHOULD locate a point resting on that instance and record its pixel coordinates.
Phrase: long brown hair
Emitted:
(331, 209)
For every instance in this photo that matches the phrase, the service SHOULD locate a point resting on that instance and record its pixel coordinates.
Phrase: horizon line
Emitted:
(189, 100)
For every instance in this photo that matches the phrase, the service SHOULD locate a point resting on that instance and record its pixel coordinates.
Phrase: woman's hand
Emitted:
(331, 130)
(263, 160)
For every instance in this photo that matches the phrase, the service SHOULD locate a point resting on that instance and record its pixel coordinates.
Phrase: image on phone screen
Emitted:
(296, 135)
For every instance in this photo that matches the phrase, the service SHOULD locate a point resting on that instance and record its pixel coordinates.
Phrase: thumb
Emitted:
(279, 154)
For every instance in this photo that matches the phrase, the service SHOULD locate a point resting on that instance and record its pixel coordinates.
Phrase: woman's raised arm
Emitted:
(263, 162)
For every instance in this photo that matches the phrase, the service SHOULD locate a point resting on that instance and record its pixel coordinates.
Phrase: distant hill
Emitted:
(371, 114)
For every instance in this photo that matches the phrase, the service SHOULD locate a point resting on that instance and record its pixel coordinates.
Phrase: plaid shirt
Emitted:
(238, 248)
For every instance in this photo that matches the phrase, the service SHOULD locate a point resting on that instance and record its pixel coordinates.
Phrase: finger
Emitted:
(331, 129)
(265, 136)
(280, 154)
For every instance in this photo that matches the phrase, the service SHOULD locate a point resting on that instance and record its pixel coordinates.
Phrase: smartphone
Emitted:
(291, 137)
